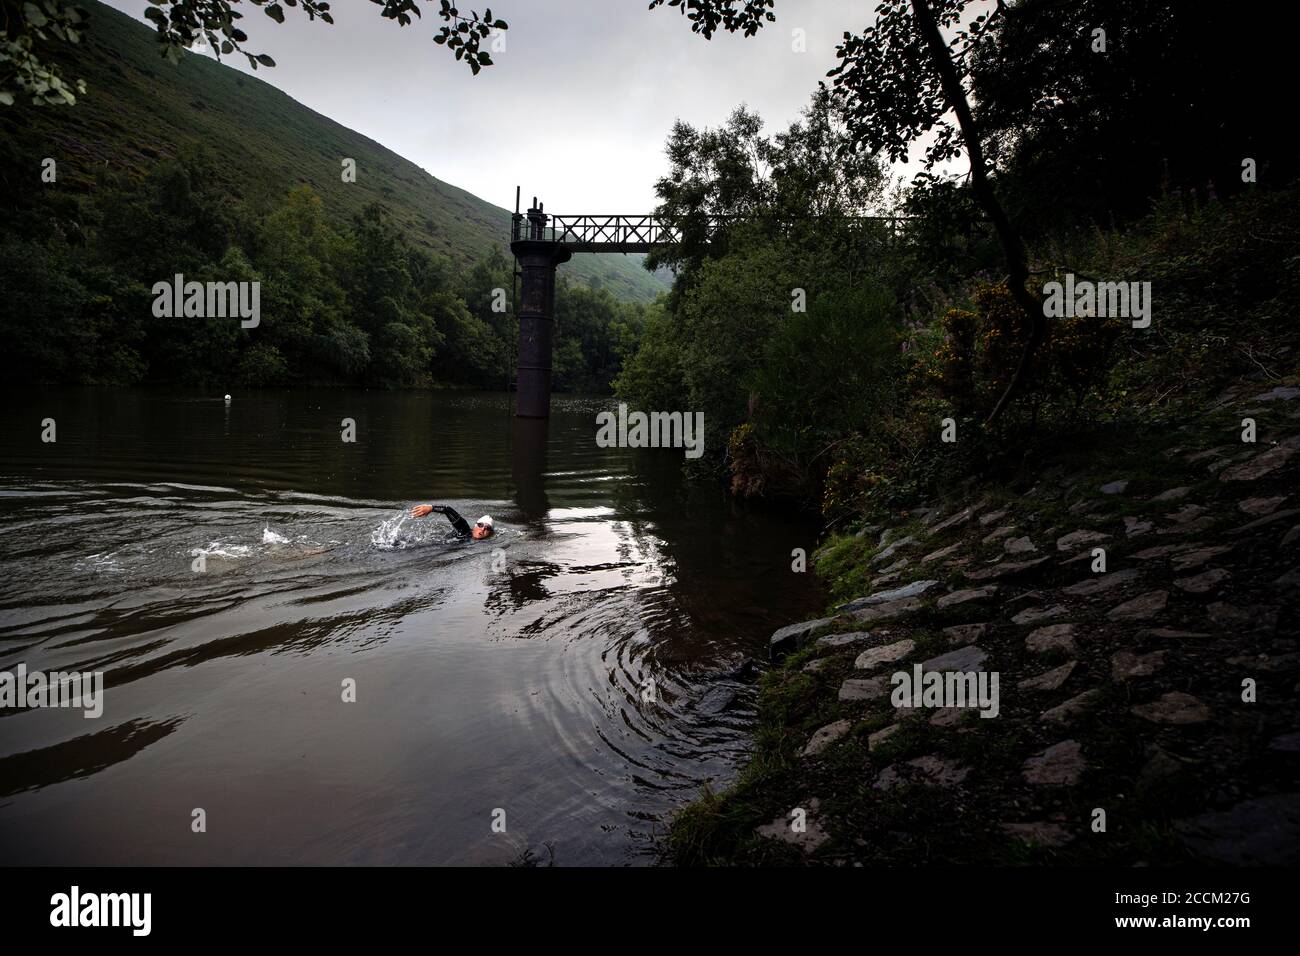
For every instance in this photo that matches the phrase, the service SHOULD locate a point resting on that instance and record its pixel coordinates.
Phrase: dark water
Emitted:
(505, 675)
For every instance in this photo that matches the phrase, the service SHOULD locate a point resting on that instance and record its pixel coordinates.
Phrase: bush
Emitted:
(652, 375)
(261, 365)
(976, 352)
(825, 372)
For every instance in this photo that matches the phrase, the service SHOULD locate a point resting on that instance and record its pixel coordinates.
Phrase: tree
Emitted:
(296, 253)
(899, 80)
(1090, 109)
(799, 185)
(1154, 111)
(393, 295)
(652, 375)
(719, 174)
(789, 238)
(902, 114)
(32, 27)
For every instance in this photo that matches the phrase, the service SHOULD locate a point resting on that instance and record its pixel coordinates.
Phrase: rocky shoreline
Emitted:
(1136, 612)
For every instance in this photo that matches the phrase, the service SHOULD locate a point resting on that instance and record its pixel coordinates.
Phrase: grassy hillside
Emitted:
(140, 108)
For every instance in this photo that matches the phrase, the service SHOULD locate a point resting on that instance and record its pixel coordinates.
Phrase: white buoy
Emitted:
(227, 399)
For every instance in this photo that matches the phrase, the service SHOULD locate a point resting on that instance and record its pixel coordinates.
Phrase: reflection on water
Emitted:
(229, 568)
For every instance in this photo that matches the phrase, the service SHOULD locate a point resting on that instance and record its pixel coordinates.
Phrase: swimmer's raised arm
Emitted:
(457, 522)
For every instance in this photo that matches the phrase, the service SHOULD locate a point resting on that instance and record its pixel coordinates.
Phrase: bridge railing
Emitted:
(588, 230)
(630, 233)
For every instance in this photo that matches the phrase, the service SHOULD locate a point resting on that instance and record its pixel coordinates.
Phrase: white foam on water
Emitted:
(393, 534)
(389, 533)
(218, 549)
(270, 537)
(107, 561)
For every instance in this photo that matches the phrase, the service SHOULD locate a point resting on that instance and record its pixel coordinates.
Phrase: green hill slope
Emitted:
(140, 108)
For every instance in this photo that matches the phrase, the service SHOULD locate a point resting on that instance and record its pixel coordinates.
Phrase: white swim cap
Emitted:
(486, 521)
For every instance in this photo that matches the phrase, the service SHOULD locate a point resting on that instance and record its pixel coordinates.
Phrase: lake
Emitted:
(236, 570)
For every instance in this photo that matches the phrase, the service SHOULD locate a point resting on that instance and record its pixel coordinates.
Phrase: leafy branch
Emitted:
(184, 23)
(21, 70)
(462, 34)
(745, 16)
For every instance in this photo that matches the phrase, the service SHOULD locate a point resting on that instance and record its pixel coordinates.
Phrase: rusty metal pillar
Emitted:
(538, 256)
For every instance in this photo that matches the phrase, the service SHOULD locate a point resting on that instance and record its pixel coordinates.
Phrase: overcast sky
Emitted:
(577, 108)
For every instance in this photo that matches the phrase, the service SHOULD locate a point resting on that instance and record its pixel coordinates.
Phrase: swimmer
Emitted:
(482, 528)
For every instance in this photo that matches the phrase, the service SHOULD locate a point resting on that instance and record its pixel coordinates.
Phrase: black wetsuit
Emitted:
(457, 522)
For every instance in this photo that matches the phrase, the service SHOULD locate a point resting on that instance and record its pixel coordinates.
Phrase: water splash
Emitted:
(219, 549)
(391, 534)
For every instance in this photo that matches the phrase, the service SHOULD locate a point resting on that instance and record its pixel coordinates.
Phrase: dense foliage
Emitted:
(358, 304)
(781, 319)
(1117, 159)
(1093, 107)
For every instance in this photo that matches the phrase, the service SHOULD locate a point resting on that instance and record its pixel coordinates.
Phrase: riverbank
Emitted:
(1137, 598)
